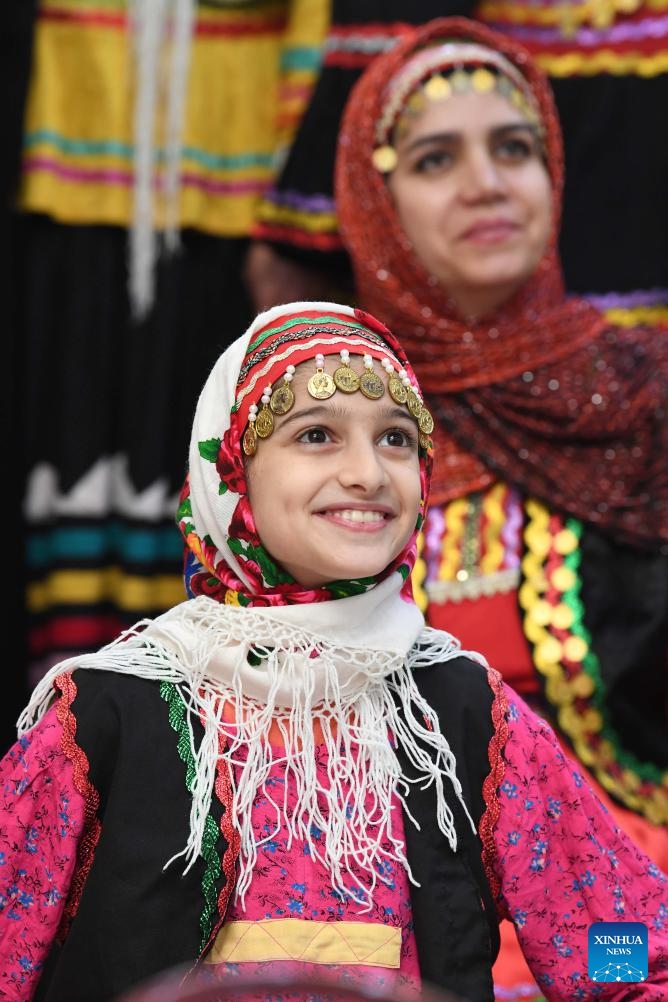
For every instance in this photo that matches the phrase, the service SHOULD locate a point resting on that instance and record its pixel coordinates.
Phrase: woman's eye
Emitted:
(433, 161)
(314, 436)
(398, 438)
(515, 149)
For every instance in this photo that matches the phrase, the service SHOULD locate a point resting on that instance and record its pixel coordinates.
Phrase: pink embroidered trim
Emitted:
(493, 780)
(92, 826)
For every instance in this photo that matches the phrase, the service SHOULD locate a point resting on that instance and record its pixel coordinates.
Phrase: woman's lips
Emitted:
(490, 232)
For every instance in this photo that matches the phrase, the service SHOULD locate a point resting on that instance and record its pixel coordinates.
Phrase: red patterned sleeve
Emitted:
(562, 864)
(42, 820)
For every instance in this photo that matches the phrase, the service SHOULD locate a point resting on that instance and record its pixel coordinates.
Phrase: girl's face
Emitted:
(335, 490)
(473, 195)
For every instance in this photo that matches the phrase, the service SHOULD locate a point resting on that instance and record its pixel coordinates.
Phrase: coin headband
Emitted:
(438, 73)
(279, 398)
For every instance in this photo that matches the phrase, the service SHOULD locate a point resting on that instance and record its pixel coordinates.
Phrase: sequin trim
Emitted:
(92, 826)
(419, 576)
(493, 781)
(475, 555)
(554, 625)
(179, 723)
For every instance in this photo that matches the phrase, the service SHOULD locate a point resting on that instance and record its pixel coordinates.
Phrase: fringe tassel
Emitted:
(152, 22)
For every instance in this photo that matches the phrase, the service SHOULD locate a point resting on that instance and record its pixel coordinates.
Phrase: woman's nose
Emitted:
(481, 177)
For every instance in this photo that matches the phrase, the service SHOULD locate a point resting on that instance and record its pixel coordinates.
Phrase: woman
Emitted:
(288, 768)
(547, 534)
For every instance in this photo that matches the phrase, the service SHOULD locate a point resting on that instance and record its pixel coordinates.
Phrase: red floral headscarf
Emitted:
(542, 393)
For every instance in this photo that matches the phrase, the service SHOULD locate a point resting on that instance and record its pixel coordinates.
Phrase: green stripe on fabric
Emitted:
(112, 147)
(311, 321)
(179, 723)
(301, 57)
(111, 539)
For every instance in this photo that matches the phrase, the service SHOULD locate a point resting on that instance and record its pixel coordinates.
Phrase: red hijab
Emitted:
(543, 393)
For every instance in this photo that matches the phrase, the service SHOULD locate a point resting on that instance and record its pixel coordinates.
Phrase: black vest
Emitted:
(135, 919)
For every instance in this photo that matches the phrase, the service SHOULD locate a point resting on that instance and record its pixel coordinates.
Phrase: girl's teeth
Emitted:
(355, 515)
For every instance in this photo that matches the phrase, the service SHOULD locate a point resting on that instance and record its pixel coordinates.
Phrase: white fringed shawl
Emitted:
(364, 698)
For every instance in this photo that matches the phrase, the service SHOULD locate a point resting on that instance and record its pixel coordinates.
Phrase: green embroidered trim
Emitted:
(179, 723)
(592, 665)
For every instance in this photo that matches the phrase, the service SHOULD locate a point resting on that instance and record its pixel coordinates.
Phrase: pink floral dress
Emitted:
(559, 864)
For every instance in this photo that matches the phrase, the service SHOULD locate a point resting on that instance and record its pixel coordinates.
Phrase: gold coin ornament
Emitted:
(459, 81)
(264, 423)
(425, 421)
(384, 159)
(346, 379)
(437, 88)
(249, 440)
(371, 385)
(282, 399)
(425, 441)
(414, 404)
(483, 80)
(321, 386)
(398, 391)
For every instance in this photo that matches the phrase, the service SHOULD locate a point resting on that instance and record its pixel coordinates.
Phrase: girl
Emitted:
(289, 767)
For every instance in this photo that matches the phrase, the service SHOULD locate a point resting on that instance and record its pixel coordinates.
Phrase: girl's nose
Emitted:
(362, 467)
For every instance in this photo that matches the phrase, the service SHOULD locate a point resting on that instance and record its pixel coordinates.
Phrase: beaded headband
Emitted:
(439, 72)
(279, 399)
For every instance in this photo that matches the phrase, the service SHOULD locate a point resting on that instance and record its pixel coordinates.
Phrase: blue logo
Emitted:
(617, 951)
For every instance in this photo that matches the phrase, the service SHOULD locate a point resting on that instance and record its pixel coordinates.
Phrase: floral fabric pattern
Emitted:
(563, 864)
(43, 818)
(289, 883)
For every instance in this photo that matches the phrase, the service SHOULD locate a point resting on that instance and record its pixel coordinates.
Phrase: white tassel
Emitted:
(150, 24)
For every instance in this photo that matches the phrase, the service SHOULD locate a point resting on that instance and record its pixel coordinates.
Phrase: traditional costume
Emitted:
(274, 774)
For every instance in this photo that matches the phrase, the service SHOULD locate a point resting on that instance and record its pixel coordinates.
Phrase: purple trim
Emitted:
(125, 178)
(304, 203)
(648, 28)
(628, 300)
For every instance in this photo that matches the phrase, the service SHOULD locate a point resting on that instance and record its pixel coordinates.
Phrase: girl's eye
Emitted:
(314, 436)
(398, 438)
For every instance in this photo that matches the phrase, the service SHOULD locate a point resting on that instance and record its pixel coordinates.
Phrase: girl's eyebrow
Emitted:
(498, 132)
(320, 411)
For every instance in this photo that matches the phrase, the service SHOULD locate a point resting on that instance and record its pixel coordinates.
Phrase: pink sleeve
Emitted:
(562, 864)
(42, 818)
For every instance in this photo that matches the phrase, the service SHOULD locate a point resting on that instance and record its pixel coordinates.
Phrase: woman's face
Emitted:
(473, 195)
